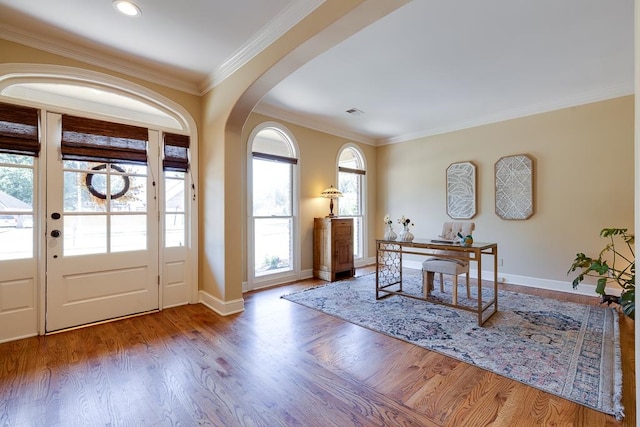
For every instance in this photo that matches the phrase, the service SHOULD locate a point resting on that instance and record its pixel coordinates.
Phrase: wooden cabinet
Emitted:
(333, 248)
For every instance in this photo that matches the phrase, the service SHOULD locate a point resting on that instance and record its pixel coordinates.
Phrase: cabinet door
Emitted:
(321, 247)
(343, 245)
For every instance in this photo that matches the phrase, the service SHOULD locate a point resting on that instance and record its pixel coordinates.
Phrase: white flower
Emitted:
(387, 219)
(405, 222)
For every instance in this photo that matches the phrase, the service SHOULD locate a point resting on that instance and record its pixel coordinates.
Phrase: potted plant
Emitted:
(611, 265)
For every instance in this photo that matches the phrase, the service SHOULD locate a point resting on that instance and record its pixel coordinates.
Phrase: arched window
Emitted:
(273, 205)
(351, 182)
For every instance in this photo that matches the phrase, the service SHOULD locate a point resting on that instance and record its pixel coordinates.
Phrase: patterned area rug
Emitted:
(570, 350)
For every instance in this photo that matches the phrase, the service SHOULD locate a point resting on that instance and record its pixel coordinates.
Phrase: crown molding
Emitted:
(516, 113)
(91, 56)
(530, 110)
(283, 22)
(301, 120)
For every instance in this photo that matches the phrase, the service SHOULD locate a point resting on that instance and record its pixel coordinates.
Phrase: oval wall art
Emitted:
(461, 190)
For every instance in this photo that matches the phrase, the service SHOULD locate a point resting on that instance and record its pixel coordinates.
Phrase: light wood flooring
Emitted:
(275, 364)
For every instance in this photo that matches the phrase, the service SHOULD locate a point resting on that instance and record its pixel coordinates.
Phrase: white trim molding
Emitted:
(94, 57)
(223, 308)
(271, 32)
(532, 282)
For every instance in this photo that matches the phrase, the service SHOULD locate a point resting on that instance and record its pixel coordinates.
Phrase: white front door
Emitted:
(101, 235)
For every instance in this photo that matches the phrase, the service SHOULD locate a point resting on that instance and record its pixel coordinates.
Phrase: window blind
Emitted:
(19, 130)
(275, 158)
(95, 140)
(350, 170)
(176, 152)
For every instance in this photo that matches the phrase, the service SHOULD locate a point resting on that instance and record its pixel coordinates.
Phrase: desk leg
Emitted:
(495, 278)
(479, 258)
(388, 267)
(377, 271)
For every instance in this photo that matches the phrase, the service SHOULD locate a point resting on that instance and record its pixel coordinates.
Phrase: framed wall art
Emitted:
(461, 190)
(514, 187)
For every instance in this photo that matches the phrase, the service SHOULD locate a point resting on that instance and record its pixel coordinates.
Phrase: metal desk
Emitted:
(389, 269)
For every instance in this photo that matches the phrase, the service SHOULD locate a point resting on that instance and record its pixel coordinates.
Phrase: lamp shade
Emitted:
(331, 193)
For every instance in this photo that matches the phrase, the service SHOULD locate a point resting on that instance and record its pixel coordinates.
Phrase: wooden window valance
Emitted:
(19, 130)
(351, 170)
(176, 152)
(95, 140)
(275, 158)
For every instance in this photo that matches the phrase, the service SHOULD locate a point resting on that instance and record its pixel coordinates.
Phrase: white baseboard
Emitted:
(223, 308)
(16, 338)
(363, 262)
(533, 282)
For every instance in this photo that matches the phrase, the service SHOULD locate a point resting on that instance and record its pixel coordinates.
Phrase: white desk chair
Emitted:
(443, 265)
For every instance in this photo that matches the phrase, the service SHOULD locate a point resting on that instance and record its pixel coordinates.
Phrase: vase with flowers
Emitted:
(389, 234)
(405, 235)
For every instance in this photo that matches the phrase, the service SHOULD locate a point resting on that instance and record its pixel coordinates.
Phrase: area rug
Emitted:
(567, 349)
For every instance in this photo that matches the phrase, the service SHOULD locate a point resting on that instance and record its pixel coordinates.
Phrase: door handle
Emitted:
(55, 233)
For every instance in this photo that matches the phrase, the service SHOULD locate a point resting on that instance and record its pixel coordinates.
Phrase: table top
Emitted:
(440, 243)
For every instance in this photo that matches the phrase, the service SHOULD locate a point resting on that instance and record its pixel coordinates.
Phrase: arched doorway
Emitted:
(113, 234)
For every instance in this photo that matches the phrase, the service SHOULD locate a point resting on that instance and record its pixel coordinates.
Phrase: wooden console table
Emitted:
(389, 269)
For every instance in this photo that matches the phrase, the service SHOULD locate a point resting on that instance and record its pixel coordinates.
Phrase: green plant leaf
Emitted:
(608, 232)
(577, 280)
(622, 270)
(600, 267)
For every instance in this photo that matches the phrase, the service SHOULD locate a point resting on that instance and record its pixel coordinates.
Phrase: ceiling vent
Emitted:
(355, 112)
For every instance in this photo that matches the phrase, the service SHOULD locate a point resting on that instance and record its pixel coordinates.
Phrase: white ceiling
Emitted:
(429, 67)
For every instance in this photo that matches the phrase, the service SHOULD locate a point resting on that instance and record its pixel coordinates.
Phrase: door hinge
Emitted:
(158, 280)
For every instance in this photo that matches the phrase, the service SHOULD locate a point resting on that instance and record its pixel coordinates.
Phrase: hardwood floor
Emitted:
(275, 364)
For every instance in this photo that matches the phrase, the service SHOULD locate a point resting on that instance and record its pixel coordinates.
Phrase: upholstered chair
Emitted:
(440, 264)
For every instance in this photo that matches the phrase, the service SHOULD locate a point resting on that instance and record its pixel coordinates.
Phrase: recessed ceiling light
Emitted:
(127, 8)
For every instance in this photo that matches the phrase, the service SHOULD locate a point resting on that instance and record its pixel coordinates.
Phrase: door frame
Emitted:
(13, 73)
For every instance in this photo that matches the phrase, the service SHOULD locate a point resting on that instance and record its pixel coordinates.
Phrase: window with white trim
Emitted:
(351, 182)
(273, 204)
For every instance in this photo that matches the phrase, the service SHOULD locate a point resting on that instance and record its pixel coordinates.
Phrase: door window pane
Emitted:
(174, 230)
(85, 234)
(16, 206)
(17, 182)
(128, 233)
(76, 194)
(135, 199)
(15, 243)
(174, 224)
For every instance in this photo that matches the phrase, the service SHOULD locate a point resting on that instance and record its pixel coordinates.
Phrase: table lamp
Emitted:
(331, 193)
